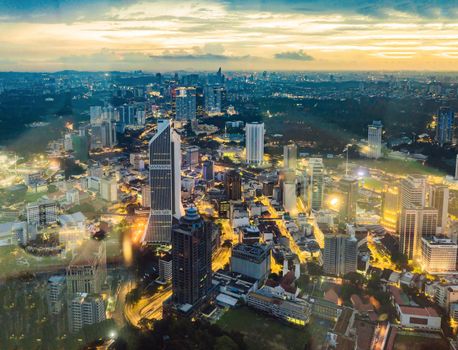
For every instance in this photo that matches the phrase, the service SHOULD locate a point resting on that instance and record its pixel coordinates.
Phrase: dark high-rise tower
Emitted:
(233, 185)
(191, 258)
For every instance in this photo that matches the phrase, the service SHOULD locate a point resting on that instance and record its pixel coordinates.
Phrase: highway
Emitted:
(150, 307)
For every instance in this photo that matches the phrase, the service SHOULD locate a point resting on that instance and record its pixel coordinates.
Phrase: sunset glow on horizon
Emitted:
(278, 35)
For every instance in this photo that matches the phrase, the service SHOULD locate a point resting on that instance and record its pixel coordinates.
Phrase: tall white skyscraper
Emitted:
(315, 173)
(374, 139)
(254, 136)
(413, 191)
(165, 182)
(290, 156)
(185, 103)
(290, 198)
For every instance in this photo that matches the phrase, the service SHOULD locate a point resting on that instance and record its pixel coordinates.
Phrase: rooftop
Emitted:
(419, 311)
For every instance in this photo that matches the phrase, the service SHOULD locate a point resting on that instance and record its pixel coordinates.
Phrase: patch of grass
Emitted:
(31, 197)
(14, 260)
(393, 166)
(373, 184)
(264, 332)
(413, 342)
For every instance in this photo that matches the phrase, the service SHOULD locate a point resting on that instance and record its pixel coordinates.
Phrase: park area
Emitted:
(264, 332)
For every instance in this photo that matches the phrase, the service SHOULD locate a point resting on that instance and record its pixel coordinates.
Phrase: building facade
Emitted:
(191, 258)
(340, 254)
(164, 182)
(315, 193)
(251, 260)
(254, 141)
(374, 139)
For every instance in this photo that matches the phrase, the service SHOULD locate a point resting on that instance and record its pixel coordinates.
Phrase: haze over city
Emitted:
(235, 175)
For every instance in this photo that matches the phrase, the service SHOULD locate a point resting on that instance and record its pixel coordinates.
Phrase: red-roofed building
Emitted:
(361, 305)
(425, 318)
(332, 296)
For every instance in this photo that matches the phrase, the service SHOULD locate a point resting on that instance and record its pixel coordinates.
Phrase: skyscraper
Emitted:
(191, 258)
(348, 187)
(164, 181)
(214, 97)
(445, 123)
(315, 172)
(233, 185)
(185, 103)
(254, 136)
(192, 157)
(340, 254)
(290, 197)
(208, 173)
(456, 168)
(374, 139)
(390, 207)
(80, 147)
(109, 189)
(290, 156)
(439, 197)
(415, 223)
(127, 114)
(413, 191)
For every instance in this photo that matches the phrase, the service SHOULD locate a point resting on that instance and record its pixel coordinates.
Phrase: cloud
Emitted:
(294, 55)
(198, 57)
(208, 52)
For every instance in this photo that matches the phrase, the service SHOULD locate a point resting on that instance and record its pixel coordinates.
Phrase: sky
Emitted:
(332, 35)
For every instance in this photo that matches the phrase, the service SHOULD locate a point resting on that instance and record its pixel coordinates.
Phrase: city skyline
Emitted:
(202, 35)
(227, 174)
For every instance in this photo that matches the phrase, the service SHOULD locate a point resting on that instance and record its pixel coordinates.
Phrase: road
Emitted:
(150, 307)
(281, 225)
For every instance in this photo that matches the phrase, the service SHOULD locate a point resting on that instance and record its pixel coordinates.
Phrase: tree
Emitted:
(401, 260)
(226, 343)
(354, 278)
(314, 269)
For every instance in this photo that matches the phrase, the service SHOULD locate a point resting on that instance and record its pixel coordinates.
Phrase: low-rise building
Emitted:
(438, 254)
(85, 310)
(234, 284)
(422, 318)
(56, 294)
(296, 312)
(165, 268)
(42, 213)
(325, 309)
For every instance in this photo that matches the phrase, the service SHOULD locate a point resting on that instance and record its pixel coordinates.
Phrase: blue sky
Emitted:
(47, 35)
